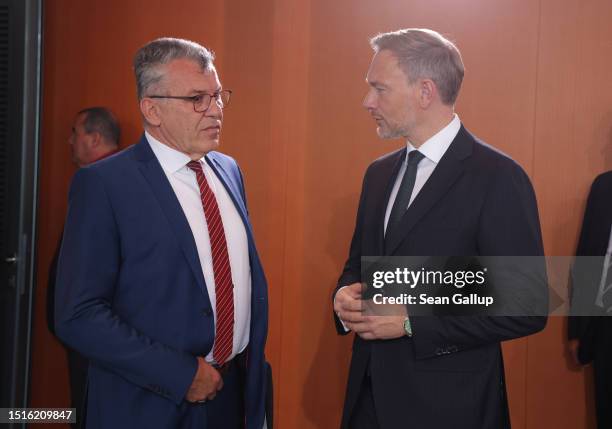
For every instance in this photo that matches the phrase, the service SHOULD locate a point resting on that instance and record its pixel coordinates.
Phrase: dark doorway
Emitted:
(20, 65)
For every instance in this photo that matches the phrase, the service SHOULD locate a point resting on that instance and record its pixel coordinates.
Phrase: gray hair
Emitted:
(101, 120)
(424, 53)
(149, 59)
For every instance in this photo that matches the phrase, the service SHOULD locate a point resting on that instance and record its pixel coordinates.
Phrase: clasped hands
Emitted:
(206, 383)
(349, 306)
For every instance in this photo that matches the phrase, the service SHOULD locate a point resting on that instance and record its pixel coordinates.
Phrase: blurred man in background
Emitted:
(95, 135)
(590, 329)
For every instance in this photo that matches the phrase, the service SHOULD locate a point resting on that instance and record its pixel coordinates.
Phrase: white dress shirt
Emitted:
(433, 150)
(184, 183)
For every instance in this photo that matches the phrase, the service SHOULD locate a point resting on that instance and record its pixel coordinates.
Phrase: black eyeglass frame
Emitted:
(195, 99)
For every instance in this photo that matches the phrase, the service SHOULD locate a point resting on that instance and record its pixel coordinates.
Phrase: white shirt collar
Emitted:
(170, 159)
(437, 145)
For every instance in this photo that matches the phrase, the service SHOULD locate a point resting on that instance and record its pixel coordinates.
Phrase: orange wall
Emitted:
(537, 86)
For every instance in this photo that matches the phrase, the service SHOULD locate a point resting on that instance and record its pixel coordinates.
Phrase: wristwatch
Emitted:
(408, 327)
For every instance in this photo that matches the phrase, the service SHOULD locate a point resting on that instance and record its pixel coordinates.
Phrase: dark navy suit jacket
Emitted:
(131, 295)
(450, 373)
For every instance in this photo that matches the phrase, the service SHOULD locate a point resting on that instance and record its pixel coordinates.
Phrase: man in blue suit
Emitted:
(159, 282)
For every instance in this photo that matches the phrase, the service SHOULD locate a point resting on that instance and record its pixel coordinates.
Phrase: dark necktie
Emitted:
(405, 191)
(224, 288)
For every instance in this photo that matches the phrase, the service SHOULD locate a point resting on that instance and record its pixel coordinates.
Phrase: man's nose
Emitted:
(369, 101)
(214, 109)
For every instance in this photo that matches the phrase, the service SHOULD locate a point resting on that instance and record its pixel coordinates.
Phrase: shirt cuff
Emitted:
(341, 321)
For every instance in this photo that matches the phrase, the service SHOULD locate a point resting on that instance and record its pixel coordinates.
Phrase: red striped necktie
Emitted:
(224, 288)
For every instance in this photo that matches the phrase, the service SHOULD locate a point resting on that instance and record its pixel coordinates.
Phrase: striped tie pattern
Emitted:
(224, 289)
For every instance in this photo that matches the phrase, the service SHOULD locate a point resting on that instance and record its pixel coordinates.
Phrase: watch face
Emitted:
(408, 327)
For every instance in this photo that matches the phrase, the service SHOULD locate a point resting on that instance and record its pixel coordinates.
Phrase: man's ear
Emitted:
(427, 92)
(95, 139)
(150, 111)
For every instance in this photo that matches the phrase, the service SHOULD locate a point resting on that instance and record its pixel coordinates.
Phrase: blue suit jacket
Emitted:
(131, 295)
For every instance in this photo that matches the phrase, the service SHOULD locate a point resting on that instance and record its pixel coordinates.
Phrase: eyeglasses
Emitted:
(201, 102)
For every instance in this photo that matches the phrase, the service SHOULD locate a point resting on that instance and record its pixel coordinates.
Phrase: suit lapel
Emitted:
(155, 176)
(229, 185)
(387, 180)
(447, 172)
(235, 194)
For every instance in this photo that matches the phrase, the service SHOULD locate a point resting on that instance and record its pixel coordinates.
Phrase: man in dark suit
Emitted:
(159, 282)
(446, 193)
(95, 135)
(590, 329)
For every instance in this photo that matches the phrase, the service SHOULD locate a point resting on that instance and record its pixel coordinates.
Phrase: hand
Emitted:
(379, 327)
(206, 383)
(349, 307)
(572, 348)
(348, 304)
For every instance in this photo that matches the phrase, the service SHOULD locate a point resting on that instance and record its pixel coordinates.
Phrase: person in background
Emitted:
(95, 135)
(590, 329)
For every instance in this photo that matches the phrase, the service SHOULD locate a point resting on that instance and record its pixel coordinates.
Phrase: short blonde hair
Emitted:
(424, 53)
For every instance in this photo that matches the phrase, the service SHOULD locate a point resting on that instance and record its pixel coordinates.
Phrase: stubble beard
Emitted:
(389, 132)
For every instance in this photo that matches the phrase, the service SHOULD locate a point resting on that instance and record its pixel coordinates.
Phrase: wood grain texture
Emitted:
(537, 87)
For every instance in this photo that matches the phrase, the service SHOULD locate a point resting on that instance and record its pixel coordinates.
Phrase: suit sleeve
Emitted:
(352, 268)
(586, 272)
(508, 226)
(88, 271)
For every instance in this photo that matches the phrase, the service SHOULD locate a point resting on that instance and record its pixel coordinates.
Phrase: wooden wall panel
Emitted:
(574, 144)
(289, 124)
(536, 87)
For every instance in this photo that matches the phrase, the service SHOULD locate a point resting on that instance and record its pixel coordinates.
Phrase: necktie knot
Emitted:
(414, 157)
(195, 166)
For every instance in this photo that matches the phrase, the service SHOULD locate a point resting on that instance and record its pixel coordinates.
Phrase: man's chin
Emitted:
(384, 134)
(210, 144)
(387, 134)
